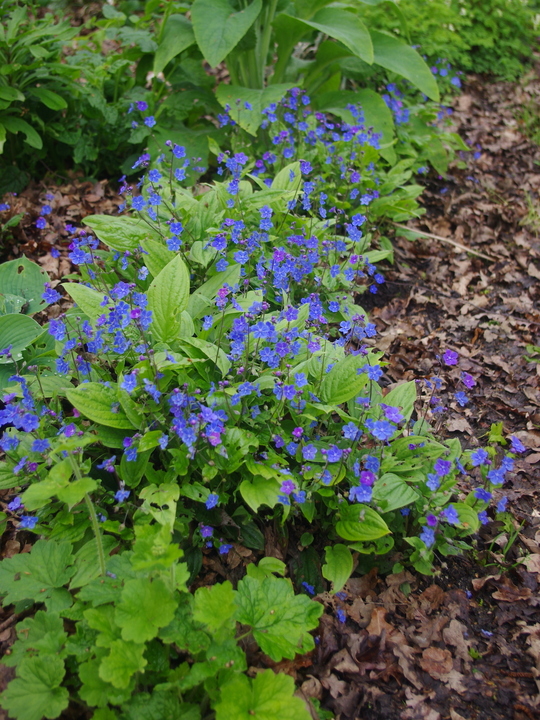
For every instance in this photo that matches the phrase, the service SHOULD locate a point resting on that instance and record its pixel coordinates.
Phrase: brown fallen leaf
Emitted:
(478, 583)
(406, 659)
(454, 635)
(532, 562)
(436, 662)
(508, 592)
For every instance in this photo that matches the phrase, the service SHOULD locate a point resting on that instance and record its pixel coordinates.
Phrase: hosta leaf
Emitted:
(36, 692)
(280, 620)
(25, 279)
(269, 696)
(338, 566)
(168, 296)
(392, 492)
(146, 606)
(87, 299)
(218, 28)
(343, 382)
(403, 396)
(100, 404)
(17, 331)
(360, 522)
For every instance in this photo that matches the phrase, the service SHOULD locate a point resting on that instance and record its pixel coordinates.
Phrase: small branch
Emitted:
(446, 240)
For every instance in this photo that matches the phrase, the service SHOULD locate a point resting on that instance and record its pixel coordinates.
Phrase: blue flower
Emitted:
(351, 431)
(15, 504)
(517, 445)
(461, 398)
(334, 454)
(40, 445)
(308, 588)
(501, 505)
(381, 429)
(129, 383)
(361, 494)
(212, 501)
(427, 536)
(150, 121)
(121, 495)
(309, 452)
(372, 463)
(451, 515)
(28, 522)
(482, 494)
(479, 457)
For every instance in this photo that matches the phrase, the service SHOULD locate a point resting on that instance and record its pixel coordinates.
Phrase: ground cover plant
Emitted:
(216, 376)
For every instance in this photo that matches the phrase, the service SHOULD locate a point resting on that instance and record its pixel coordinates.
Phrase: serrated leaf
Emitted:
(96, 402)
(214, 606)
(146, 606)
(95, 691)
(338, 566)
(74, 492)
(280, 620)
(47, 567)
(168, 296)
(123, 661)
(36, 692)
(269, 696)
(43, 634)
(360, 522)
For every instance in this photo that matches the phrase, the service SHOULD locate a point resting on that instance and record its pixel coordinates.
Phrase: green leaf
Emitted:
(26, 576)
(218, 28)
(213, 352)
(17, 331)
(214, 606)
(282, 181)
(87, 299)
(36, 692)
(49, 98)
(403, 396)
(360, 522)
(160, 502)
(343, 382)
(43, 634)
(468, 518)
(260, 491)
(346, 27)
(157, 256)
(267, 697)
(177, 36)
(339, 565)
(2, 138)
(168, 296)
(236, 96)
(394, 54)
(73, 493)
(120, 233)
(123, 661)
(24, 278)
(146, 606)
(280, 620)
(16, 125)
(95, 691)
(11, 94)
(392, 492)
(97, 402)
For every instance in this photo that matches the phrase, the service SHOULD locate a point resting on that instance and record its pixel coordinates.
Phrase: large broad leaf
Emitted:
(261, 491)
(347, 28)
(280, 620)
(25, 279)
(214, 606)
(235, 96)
(213, 352)
(267, 697)
(396, 55)
(123, 661)
(11, 94)
(343, 382)
(119, 233)
(18, 332)
(392, 492)
(157, 256)
(403, 396)
(338, 566)
(15, 125)
(36, 692)
(218, 28)
(49, 98)
(89, 300)
(168, 296)
(360, 522)
(177, 36)
(100, 404)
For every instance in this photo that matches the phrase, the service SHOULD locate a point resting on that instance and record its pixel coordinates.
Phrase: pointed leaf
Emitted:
(100, 404)
(218, 28)
(168, 296)
(87, 299)
(120, 233)
(346, 27)
(360, 522)
(339, 565)
(177, 36)
(235, 96)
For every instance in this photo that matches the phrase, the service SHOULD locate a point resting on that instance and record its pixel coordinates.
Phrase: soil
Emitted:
(465, 644)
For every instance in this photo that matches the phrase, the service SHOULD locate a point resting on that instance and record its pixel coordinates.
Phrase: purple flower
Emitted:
(451, 515)
(121, 495)
(287, 487)
(482, 494)
(207, 531)
(309, 452)
(431, 520)
(15, 504)
(442, 467)
(367, 477)
(450, 357)
(501, 505)
(479, 457)
(517, 445)
(392, 413)
(468, 380)
(483, 517)
(212, 501)
(28, 522)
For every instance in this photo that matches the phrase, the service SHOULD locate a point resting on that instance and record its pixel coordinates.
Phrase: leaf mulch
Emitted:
(464, 645)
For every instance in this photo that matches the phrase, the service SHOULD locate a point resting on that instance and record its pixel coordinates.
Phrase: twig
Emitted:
(446, 240)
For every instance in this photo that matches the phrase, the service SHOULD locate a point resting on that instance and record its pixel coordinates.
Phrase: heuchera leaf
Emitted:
(214, 606)
(280, 620)
(36, 692)
(124, 660)
(146, 606)
(267, 697)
